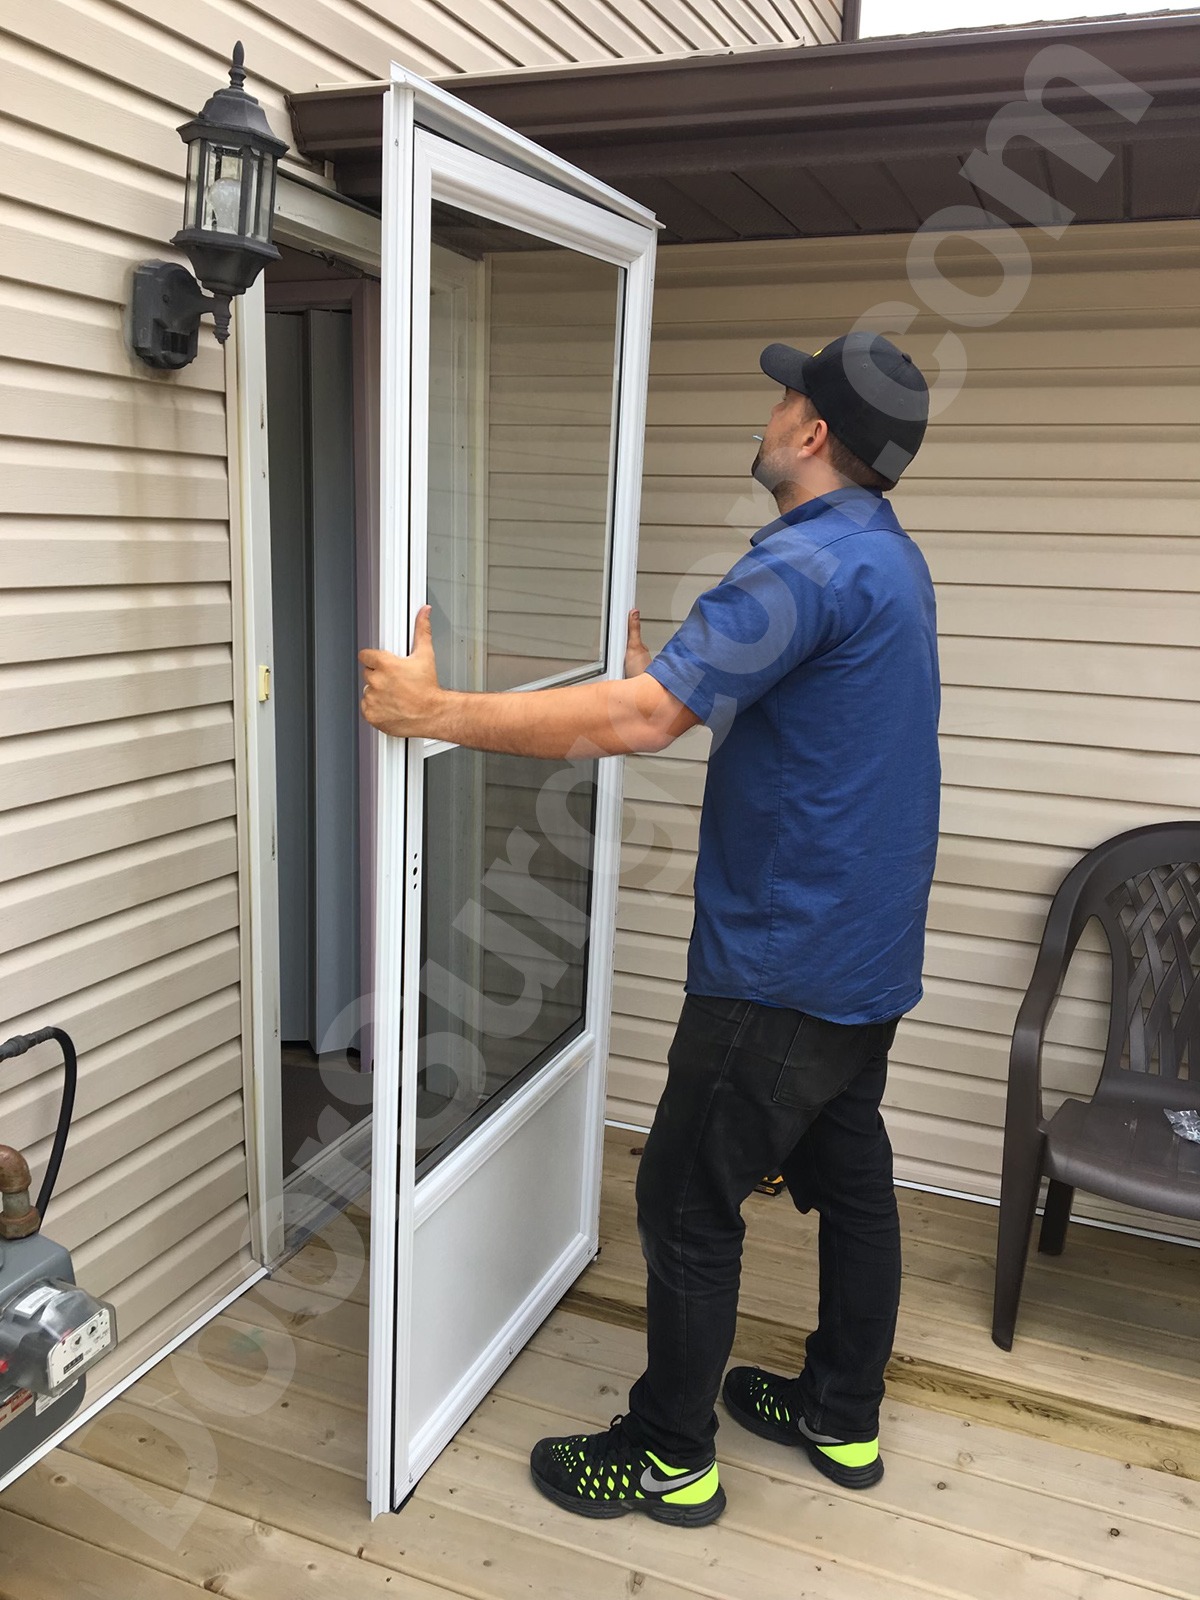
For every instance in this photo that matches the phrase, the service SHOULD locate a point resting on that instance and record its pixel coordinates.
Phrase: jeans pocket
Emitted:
(822, 1060)
(705, 1034)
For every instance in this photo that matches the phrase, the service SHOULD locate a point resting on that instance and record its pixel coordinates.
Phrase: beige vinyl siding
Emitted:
(1057, 500)
(69, 61)
(551, 329)
(119, 898)
(118, 884)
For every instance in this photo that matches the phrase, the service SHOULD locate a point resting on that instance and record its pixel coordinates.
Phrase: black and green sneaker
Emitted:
(607, 1474)
(766, 1405)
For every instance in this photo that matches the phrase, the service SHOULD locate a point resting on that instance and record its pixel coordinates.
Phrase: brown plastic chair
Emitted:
(1143, 888)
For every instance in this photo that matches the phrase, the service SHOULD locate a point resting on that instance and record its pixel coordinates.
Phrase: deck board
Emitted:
(237, 1467)
(40, 1563)
(311, 1314)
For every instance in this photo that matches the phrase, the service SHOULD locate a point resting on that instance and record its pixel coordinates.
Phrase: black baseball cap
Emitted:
(871, 394)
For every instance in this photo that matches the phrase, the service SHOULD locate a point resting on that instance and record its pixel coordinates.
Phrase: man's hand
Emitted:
(401, 694)
(637, 657)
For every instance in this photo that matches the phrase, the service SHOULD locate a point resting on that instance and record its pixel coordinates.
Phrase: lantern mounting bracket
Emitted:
(167, 306)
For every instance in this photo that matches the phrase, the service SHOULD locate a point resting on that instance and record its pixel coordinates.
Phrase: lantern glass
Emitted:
(258, 197)
(221, 197)
(191, 203)
(266, 200)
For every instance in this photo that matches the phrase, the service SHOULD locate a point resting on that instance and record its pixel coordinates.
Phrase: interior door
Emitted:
(515, 337)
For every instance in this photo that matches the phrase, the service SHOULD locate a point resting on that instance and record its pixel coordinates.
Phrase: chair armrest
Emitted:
(1064, 924)
(1023, 1109)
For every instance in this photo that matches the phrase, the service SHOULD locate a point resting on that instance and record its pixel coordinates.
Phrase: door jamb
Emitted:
(311, 220)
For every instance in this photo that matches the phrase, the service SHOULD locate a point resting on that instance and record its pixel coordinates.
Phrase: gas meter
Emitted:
(51, 1331)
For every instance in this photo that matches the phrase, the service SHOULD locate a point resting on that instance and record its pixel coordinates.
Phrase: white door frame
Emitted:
(415, 162)
(309, 219)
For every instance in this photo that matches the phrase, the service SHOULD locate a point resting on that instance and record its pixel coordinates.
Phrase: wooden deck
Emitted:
(203, 1478)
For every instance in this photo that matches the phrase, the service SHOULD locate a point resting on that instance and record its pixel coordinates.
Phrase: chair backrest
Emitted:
(1144, 889)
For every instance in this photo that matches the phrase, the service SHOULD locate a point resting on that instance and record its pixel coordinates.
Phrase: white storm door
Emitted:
(516, 333)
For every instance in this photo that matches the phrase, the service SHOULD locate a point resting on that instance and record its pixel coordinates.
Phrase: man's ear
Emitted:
(811, 434)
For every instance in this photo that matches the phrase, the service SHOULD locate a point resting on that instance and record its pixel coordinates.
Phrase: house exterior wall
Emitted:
(1057, 500)
(119, 905)
(119, 896)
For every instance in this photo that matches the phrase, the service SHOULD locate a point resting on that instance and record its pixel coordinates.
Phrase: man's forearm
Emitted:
(610, 717)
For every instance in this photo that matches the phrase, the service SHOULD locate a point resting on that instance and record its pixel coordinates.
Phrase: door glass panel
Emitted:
(508, 870)
(523, 342)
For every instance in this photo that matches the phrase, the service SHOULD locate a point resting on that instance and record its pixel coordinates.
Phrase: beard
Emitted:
(768, 470)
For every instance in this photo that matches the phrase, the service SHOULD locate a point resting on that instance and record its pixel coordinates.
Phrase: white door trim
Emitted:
(389, 1210)
(311, 219)
(259, 898)
(473, 183)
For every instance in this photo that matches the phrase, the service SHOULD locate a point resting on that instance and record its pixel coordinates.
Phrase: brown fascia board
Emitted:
(839, 85)
(329, 125)
(848, 102)
(834, 146)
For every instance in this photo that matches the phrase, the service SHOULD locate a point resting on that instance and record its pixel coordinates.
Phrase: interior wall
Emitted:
(1057, 500)
(310, 388)
(291, 579)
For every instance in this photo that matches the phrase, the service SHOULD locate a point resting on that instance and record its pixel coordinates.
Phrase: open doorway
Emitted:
(322, 383)
(322, 425)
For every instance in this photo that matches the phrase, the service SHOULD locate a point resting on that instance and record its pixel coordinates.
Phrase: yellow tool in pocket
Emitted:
(769, 1185)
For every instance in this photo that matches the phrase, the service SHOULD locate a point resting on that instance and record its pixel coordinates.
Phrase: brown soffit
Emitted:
(864, 137)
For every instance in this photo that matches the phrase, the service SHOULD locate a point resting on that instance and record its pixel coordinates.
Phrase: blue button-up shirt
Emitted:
(814, 662)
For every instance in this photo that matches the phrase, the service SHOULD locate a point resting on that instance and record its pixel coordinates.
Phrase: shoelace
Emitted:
(605, 1453)
(617, 1447)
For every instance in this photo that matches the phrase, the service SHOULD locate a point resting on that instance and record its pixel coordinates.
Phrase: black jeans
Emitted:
(753, 1089)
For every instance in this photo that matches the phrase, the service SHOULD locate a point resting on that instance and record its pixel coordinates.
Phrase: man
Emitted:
(814, 662)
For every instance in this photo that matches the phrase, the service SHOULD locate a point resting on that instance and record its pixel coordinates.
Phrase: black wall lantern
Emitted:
(226, 233)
